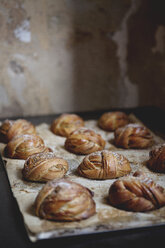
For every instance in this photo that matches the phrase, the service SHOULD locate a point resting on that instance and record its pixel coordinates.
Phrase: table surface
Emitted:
(12, 229)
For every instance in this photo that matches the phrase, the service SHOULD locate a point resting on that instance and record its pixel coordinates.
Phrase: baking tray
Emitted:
(140, 113)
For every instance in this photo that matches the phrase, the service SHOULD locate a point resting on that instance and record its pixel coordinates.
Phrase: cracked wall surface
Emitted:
(76, 55)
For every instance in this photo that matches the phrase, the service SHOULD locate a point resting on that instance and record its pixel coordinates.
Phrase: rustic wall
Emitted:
(146, 52)
(70, 55)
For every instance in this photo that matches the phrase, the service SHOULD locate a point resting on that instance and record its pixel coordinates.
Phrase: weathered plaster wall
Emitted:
(146, 52)
(73, 55)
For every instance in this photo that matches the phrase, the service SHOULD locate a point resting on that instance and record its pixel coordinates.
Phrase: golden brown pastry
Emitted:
(43, 167)
(66, 124)
(10, 128)
(64, 200)
(133, 136)
(136, 195)
(110, 121)
(84, 141)
(22, 146)
(104, 165)
(156, 161)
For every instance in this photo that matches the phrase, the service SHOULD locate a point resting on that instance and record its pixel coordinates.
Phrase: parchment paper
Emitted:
(107, 217)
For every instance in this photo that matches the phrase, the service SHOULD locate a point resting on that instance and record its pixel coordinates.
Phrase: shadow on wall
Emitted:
(75, 55)
(95, 62)
(146, 52)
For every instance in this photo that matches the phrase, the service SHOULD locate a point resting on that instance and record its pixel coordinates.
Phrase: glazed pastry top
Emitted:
(156, 160)
(22, 146)
(84, 141)
(66, 124)
(104, 165)
(64, 200)
(43, 167)
(10, 128)
(133, 136)
(137, 195)
(110, 121)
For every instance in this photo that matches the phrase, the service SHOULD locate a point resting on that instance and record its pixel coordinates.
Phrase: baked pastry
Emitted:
(66, 124)
(22, 146)
(156, 161)
(11, 128)
(110, 121)
(104, 165)
(64, 200)
(133, 136)
(84, 141)
(43, 167)
(137, 195)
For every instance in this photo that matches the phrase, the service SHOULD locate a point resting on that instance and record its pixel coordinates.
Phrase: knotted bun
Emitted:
(66, 124)
(133, 136)
(43, 167)
(156, 161)
(22, 146)
(84, 141)
(136, 195)
(110, 121)
(104, 165)
(64, 200)
(11, 128)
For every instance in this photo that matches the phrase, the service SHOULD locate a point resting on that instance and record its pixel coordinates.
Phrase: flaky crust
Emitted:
(133, 136)
(22, 146)
(136, 195)
(84, 141)
(110, 121)
(104, 165)
(156, 161)
(64, 200)
(66, 124)
(11, 128)
(43, 167)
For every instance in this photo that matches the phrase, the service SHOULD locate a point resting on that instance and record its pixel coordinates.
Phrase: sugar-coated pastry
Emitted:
(84, 141)
(156, 161)
(104, 165)
(137, 195)
(66, 124)
(65, 201)
(43, 167)
(22, 146)
(11, 128)
(110, 121)
(133, 136)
